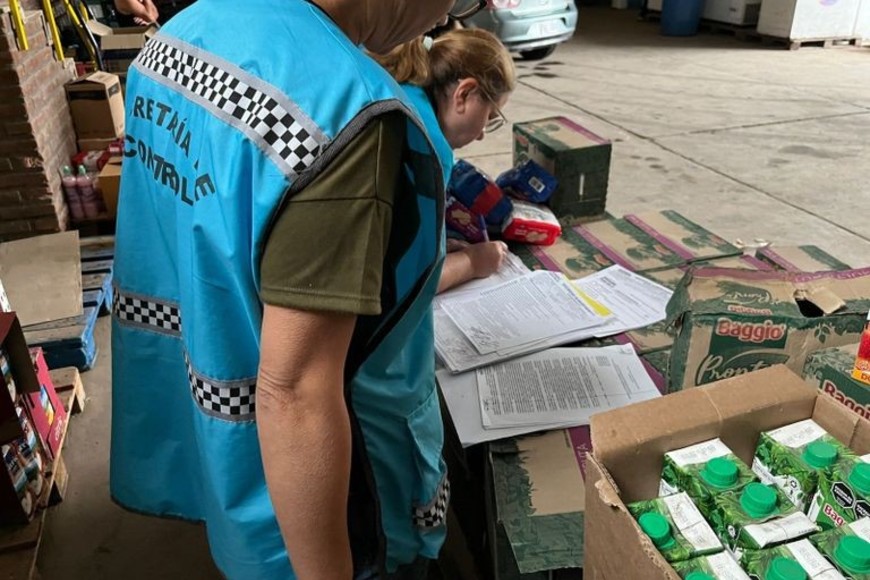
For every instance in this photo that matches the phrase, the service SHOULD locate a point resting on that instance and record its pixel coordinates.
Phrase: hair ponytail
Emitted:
(407, 63)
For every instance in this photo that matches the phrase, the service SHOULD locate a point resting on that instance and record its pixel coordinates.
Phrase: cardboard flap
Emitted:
(842, 424)
(98, 28)
(730, 409)
(823, 297)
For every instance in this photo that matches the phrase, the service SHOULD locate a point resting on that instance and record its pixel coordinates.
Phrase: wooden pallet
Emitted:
(795, 44)
(67, 342)
(98, 257)
(19, 546)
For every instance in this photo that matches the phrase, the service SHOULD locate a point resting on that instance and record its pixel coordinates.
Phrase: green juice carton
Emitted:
(795, 561)
(758, 516)
(792, 458)
(676, 527)
(844, 494)
(721, 566)
(848, 548)
(703, 471)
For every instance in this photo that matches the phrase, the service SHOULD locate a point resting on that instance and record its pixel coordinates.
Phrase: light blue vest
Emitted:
(222, 127)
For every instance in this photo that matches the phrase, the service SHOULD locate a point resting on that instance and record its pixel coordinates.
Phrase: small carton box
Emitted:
(687, 239)
(704, 471)
(97, 106)
(830, 370)
(730, 322)
(720, 566)
(628, 246)
(844, 493)
(120, 46)
(676, 527)
(21, 370)
(800, 259)
(800, 556)
(758, 517)
(45, 407)
(794, 456)
(629, 446)
(110, 184)
(578, 158)
(852, 555)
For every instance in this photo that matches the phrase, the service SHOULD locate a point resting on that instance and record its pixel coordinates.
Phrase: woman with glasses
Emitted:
(459, 83)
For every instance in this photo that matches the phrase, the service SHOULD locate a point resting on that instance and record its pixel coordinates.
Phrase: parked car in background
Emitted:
(531, 27)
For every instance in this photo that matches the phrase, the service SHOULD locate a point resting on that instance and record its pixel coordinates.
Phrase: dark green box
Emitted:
(577, 157)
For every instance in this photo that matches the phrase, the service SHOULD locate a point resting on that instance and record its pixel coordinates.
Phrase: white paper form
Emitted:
(461, 395)
(511, 267)
(634, 300)
(561, 386)
(534, 307)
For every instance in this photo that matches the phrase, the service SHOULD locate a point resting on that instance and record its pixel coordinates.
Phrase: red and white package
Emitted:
(532, 224)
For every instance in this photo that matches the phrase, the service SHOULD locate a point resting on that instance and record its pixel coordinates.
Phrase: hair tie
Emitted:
(428, 41)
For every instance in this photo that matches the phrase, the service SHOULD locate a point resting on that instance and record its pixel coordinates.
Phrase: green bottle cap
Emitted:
(758, 500)
(720, 472)
(785, 569)
(860, 478)
(853, 555)
(820, 454)
(699, 576)
(657, 527)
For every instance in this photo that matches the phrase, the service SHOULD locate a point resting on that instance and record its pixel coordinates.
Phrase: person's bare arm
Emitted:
(143, 11)
(473, 261)
(305, 436)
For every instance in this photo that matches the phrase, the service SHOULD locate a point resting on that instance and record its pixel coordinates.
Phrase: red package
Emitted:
(532, 224)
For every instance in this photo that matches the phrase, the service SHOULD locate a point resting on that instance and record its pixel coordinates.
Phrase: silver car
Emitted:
(531, 27)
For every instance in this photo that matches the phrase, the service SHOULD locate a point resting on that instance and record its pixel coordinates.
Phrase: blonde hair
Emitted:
(455, 55)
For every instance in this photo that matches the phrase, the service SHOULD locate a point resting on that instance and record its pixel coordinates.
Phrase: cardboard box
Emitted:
(628, 246)
(13, 344)
(97, 106)
(830, 370)
(672, 277)
(629, 444)
(110, 184)
(120, 46)
(537, 503)
(570, 254)
(578, 158)
(862, 20)
(45, 407)
(95, 144)
(808, 19)
(730, 322)
(800, 259)
(684, 237)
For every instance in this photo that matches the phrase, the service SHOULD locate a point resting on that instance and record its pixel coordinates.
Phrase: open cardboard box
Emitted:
(629, 444)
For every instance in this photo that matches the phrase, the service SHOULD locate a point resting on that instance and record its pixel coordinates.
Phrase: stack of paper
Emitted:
(528, 313)
(558, 388)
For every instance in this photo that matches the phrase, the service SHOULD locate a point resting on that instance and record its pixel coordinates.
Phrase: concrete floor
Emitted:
(749, 141)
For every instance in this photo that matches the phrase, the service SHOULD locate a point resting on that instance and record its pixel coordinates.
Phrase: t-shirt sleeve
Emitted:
(326, 249)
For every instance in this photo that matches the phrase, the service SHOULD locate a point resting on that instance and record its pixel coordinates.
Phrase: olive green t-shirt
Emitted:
(326, 250)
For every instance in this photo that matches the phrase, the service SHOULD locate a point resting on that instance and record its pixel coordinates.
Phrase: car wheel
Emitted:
(538, 53)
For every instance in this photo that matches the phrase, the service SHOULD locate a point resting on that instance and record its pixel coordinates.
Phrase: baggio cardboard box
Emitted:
(629, 444)
(681, 235)
(97, 106)
(577, 157)
(800, 258)
(731, 322)
(830, 370)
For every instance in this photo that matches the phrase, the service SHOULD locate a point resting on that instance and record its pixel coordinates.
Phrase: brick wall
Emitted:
(36, 132)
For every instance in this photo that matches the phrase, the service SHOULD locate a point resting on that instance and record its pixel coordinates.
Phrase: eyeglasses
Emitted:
(465, 8)
(499, 120)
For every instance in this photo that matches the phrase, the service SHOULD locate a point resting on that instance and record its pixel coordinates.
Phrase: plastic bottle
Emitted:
(71, 192)
(861, 372)
(89, 197)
